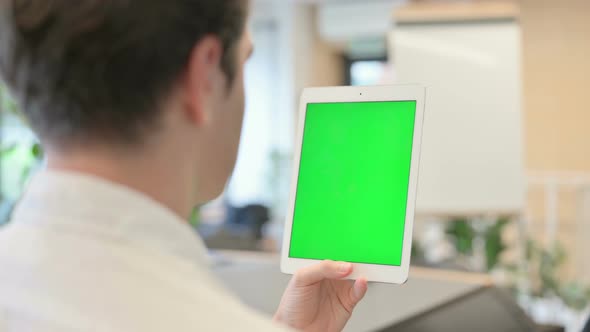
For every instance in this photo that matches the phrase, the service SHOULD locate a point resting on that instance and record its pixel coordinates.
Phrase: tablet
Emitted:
(354, 182)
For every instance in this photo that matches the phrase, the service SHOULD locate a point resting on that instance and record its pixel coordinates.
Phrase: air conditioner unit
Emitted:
(345, 21)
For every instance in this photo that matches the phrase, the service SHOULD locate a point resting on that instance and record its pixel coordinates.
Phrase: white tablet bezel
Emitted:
(376, 273)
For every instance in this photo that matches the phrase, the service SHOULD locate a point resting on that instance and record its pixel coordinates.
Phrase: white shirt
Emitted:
(83, 254)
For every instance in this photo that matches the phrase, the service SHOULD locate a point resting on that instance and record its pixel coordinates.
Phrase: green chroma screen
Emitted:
(353, 182)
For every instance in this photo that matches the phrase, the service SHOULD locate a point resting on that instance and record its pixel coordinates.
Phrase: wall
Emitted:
(319, 63)
(557, 82)
(556, 51)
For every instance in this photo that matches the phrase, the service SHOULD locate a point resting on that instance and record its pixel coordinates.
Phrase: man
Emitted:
(139, 106)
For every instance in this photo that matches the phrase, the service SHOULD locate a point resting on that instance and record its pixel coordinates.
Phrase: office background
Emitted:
(506, 164)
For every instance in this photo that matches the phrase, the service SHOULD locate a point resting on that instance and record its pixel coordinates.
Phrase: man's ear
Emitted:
(201, 79)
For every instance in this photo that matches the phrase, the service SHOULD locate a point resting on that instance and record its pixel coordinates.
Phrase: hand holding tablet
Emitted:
(355, 179)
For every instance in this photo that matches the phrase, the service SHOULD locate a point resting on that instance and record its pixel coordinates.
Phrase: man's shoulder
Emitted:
(91, 283)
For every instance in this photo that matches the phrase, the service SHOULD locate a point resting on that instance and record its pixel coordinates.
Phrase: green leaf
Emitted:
(462, 234)
(494, 244)
(575, 295)
(37, 151)
(7, 150)
(195, 218)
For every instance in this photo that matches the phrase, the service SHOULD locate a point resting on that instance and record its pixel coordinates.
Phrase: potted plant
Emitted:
(20, 153)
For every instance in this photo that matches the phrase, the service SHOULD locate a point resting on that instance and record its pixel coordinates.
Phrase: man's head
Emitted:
(122, 73)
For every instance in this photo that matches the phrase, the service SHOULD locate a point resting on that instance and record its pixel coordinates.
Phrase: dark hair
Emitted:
(87, 70)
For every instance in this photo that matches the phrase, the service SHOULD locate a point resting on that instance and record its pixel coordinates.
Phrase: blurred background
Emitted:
(505, 177)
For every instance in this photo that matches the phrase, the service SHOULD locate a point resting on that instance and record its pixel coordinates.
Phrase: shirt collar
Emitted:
(92, 206)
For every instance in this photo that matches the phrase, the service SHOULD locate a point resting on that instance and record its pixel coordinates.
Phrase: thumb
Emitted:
(358, 291)
(324, 270)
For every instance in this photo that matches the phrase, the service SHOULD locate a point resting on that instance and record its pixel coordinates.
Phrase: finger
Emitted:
(358, 291)
(324, 270)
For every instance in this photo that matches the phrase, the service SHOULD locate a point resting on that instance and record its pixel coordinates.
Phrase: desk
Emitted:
(257, 280)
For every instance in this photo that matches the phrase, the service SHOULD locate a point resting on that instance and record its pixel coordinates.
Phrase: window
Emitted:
(373, 71)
